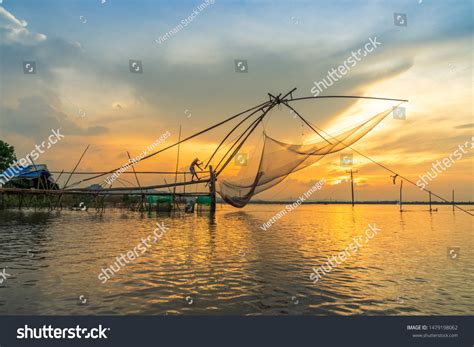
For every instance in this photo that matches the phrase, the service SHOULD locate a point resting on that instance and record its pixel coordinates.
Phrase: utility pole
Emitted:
(352, 184)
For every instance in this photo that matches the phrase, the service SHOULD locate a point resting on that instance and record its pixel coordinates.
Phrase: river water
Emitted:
(416, 263)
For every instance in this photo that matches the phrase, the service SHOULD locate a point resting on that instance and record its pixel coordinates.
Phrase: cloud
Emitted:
(34, 118)
(18, 44)
(465, 126)
(195, 71)
(13, 29)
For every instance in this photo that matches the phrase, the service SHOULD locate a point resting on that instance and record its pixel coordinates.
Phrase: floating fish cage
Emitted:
(160, 202)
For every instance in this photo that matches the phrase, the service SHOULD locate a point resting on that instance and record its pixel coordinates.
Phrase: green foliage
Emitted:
(7, 155)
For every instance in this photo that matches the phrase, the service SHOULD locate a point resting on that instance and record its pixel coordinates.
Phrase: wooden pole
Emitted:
(250, 130)
(57, 179)
(40, 181)
(57, 182)
(251, 126)
(67, 181)
(183, 140)
(177, 163)
(228, 134)
(38, 185)
(430, 201)
(401, 196)
(171, 193)
(143, 198)
(75, 167)
(352, 188)
(212, 189)
(352, 184)
(453, 200)
(184, 180)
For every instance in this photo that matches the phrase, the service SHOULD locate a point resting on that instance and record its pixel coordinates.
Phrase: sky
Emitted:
(83, 84)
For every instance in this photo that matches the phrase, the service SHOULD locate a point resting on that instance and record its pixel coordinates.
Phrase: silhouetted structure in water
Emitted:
(277, 159)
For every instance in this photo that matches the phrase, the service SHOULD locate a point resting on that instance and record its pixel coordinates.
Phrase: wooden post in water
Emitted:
(401, 201)
(175, 203)
(212, 189)
(430, 201)
(453, 200)
(143, 196)
(352, 184)
(184, 180)
(58, 203)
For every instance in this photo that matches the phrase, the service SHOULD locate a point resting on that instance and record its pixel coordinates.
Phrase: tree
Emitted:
(7, 155)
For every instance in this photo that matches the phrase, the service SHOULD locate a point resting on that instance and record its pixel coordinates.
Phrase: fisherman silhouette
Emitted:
(394, 178)
(192, 168)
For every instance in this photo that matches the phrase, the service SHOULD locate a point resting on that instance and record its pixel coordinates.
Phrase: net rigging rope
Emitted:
(382, 166)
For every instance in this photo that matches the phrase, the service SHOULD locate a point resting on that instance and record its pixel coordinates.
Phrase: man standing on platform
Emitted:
(192, 168)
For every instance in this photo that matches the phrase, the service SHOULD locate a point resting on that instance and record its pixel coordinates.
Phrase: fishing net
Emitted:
(279, 159)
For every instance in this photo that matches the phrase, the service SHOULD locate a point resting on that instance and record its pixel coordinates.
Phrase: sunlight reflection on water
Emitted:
(228, 265)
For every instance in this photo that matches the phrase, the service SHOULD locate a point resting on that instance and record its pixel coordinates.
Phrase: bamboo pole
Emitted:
(352, 185)
(105, 191)
(139, 185)
(346, 97)
(37, 185)
(212, 189)
(40, 181)
(250, 130)
(253, 124)
(172, 194)
(430, 201)
(229, 133)
(177, 163)
(184, 180)
(67, 181)
(401, 195)
(183, 140)
(453, 200)
(257, 122)
(75, 167)
(124, 173)
(144, 187)
(57, 179)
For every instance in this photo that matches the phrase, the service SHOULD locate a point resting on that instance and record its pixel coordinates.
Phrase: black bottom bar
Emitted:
(331, 331)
